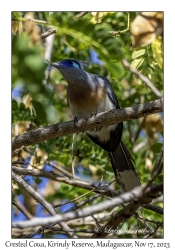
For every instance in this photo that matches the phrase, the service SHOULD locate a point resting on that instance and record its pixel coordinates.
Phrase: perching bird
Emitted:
(87, 94)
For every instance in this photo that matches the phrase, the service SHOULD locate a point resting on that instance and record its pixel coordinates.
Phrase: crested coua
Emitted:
(87, 94)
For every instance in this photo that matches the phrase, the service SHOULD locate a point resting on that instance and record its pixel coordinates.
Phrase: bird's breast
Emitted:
(83, 100)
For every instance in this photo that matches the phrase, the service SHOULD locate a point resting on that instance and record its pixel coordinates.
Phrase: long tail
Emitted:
(123, 168)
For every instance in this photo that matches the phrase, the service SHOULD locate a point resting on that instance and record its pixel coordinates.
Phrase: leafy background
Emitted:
(39, 99)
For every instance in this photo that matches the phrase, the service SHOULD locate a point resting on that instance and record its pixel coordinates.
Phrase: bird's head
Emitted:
(71, 69)
(69, 63)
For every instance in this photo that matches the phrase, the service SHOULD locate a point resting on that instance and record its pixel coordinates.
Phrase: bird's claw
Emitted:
(98, 128)
(94, 113)
(76, 121)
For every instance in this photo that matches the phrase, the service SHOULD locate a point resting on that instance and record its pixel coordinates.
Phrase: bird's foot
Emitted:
(94, 113)
(76, 121)
(98, 128)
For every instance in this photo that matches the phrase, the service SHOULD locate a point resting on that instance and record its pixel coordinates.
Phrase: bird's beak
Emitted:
(56, 65)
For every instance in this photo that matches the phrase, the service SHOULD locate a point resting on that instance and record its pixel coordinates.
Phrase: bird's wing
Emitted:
(110, 92)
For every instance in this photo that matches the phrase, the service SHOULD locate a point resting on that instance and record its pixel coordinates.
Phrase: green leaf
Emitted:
(157, 51)
(140, 51)
(117, 69)
(16, 14)
(65, 189)
(157, 147)
(136, 63)
(40, 111)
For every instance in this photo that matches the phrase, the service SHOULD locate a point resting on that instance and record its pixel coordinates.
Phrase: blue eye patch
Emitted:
(71, 63)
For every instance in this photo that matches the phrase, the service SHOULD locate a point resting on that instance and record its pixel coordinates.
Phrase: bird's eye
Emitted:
(70, 62)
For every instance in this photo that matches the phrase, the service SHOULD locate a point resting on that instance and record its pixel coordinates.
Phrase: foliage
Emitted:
(32, 75)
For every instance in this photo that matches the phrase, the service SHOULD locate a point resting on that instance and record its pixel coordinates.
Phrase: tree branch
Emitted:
(160, 224)
(100, 190)
(42, 201)
(137, 196)
(67, 202)
(119, 217)
(48, 33)
(81, 14)
(101, 119)
(118, 32)
(82, 203)
(70, 181)
(23, 19)
(142, 77)
(157, 169)
(36, 196)
(154, 208)
(21, 208)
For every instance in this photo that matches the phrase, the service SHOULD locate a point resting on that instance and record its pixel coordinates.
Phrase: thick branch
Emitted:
(76, 183)
(101, 119)
(137, 196)
(41, 200)
(119, 217)
(37, 197)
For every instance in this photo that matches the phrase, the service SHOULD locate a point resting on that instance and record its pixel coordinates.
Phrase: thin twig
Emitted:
(73, 157)
(101, 119)
(134, 138)
(39, 231)
(77, 183)
(22, 233)
(102, 177)
(72, 230)
(154, 231)
(79, 197)
(82, 203)
(154, 208)
(142, 77)
(96, 221)
(61, 169)
(48, 33)
(129, 132)
(143, 221)
(157, 169)
(21, 208)
(148, 220)
(81, 14)
(20, 162)
(23, 19)
(73, 167)
(118, 32)
(140, 145)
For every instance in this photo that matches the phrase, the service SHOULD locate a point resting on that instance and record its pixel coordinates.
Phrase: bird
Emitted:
(89, 94)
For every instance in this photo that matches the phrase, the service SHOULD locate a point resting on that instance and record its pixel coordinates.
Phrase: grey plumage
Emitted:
(89, 93)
